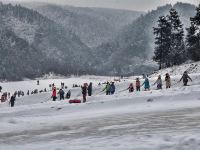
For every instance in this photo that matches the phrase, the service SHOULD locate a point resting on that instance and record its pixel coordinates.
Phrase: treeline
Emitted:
(172, 46)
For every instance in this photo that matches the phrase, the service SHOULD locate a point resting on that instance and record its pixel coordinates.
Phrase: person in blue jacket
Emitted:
(146, 84)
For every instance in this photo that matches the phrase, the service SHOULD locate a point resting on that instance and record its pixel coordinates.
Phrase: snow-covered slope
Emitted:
(165, 119)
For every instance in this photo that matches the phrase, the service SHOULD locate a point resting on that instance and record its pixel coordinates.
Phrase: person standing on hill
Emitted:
(54, 94)
(84, 92)
(146, 84)
(185, 78)
(0, 88)
(90, 89)
(159, 83)
(168, 81)
(137, 84)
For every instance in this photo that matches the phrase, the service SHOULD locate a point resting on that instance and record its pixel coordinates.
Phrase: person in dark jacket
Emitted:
(185, 78)
(84, 92)
(68, 95)
(0, 88)
(112, 88)
(62, 94)
(131, 88)
(90, 89)
(12, 100)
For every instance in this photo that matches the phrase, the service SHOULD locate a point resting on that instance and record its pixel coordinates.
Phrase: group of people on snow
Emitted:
(109, 88)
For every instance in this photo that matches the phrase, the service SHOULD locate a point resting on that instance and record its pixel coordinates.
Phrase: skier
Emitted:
(90, 89)
(131, 88)
(12, 100)
(107, 88)
(0, 88)
(159, 83)
(84, 92)
(146, 84)
(68, 95)
(54, 94)
(62, 93)
(168, 81)
(185, 78)
(28, 92)
(112, 88)
(137, 84)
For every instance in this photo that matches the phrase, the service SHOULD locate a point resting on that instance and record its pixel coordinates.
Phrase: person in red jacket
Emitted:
(54, 94)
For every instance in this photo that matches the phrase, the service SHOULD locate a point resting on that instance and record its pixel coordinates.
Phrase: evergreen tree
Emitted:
(193, 37)
(177, 46)
(162, 41)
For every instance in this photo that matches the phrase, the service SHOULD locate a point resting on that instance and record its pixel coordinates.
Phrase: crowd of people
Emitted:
(86, 89)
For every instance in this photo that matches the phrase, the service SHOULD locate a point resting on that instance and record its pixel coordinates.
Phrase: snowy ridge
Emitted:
(191, 68)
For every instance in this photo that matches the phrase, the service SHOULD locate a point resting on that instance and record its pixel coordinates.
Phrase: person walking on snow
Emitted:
(112, 88)
(131, 88)
(137, 84)
(168, 81)
(62, 94)
(84, 92)
(185, 78)
(159, 83)
(146, 84)
(12, 100)
(54, 94)
(90, 89)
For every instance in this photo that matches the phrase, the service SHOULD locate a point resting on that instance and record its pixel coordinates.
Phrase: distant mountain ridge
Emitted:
(41, 44)
(94, 26)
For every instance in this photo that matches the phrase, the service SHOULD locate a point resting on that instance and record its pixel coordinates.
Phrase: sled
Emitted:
(74, 101)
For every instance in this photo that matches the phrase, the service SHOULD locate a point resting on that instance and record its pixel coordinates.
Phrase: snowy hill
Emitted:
(165, 119)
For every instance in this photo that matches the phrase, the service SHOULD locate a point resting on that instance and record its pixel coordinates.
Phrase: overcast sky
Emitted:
(143, 5)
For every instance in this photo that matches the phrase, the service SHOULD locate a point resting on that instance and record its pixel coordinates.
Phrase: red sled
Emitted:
(75, 101)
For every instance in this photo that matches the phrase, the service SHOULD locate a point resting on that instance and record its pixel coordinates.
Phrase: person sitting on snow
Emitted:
(131, 88)
(185, 78)
(159, 83)
(168, 81)
(146, 84)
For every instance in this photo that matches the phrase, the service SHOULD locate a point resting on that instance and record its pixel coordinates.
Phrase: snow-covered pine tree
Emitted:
(162, 41)
(177, 46)
(193, 37)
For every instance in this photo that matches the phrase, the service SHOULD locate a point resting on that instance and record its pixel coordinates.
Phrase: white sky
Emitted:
(143, 5)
